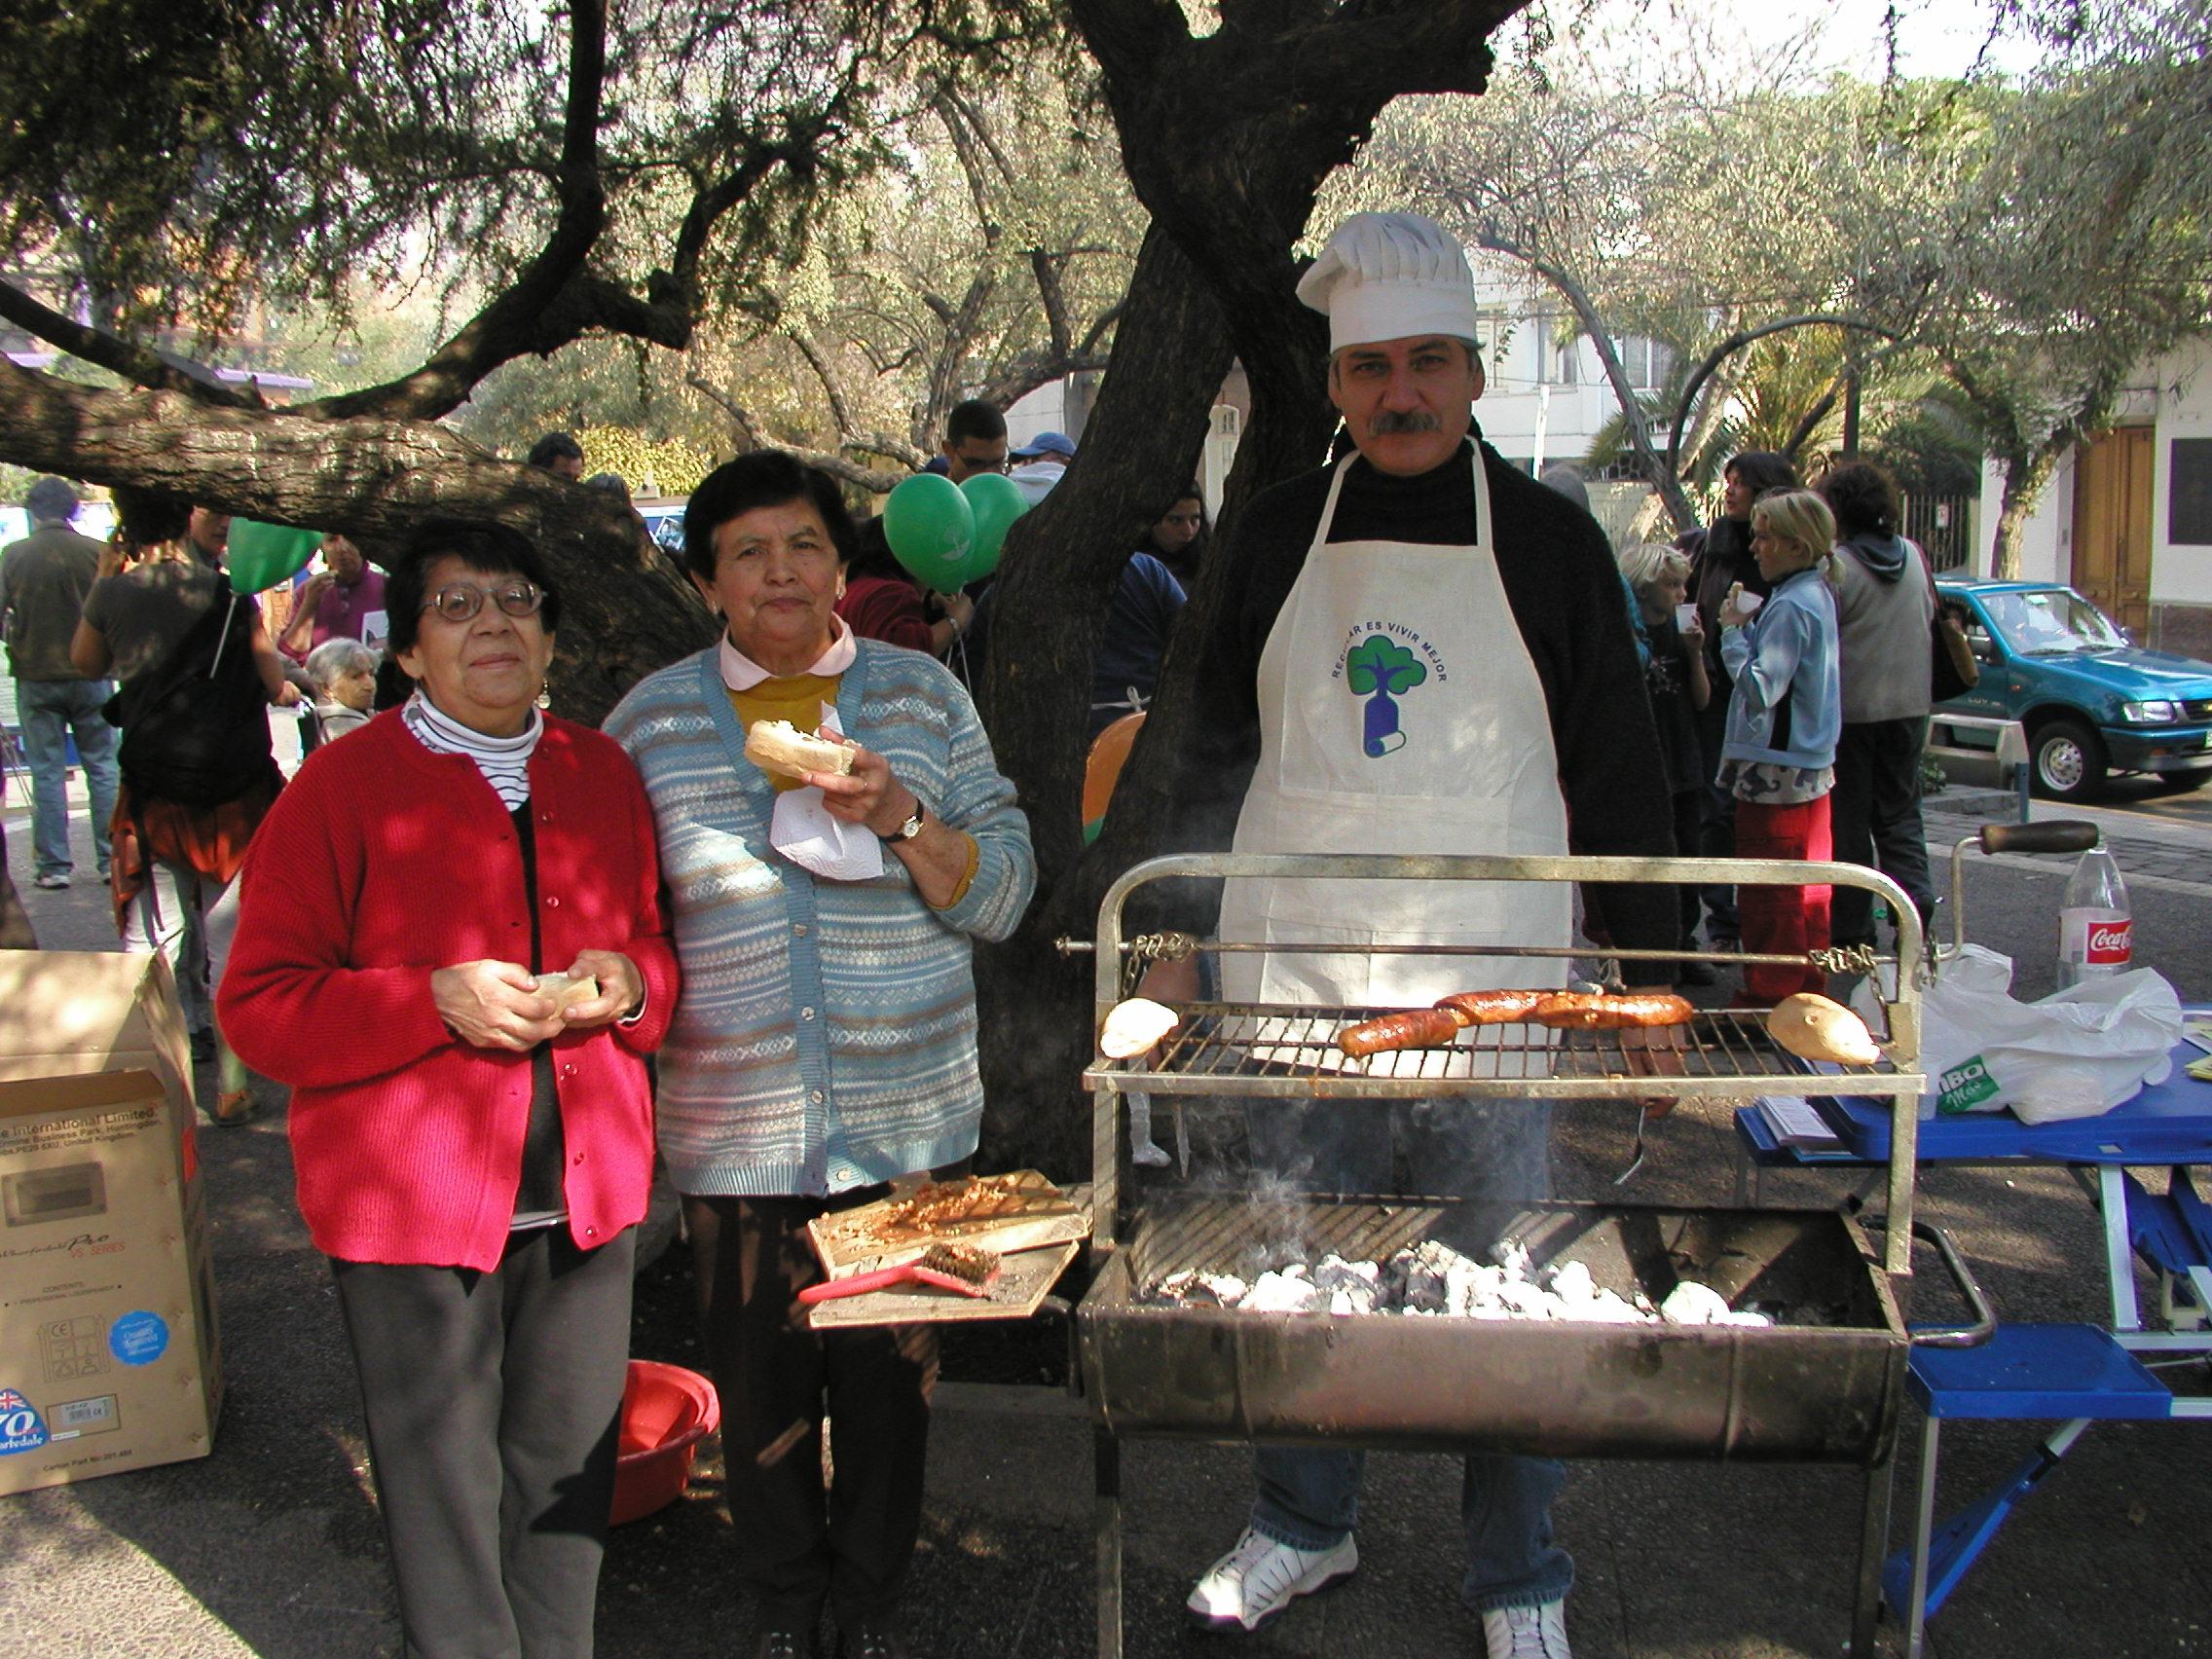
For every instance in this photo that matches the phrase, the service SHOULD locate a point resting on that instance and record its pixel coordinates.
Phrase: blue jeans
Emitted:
(51, 710)
(1472, 1149)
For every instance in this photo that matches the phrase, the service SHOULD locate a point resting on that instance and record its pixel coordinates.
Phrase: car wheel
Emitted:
(2067, 759)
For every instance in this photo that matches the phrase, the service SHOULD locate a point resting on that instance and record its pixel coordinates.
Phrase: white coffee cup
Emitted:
(1684, 616)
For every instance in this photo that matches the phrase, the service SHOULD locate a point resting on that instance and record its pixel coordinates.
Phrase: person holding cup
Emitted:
(1675, 676)
(1784, 716)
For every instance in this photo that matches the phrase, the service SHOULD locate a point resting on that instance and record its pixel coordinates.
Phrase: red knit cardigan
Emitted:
(382, 861)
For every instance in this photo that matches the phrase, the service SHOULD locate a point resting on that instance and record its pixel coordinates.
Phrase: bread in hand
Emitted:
(568, 989)
(779, 747)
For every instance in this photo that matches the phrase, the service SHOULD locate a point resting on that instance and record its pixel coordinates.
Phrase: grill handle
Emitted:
(2057, 835)
(1984, 1324)
(2060, 835)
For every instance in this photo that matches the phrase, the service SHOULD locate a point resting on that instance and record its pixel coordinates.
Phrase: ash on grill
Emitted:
(1432, 1280)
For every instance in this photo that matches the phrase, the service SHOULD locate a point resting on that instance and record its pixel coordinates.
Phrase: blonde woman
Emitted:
(1784, 714)
(1676, 678)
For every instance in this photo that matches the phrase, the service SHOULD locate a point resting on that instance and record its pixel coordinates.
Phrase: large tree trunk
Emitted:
(375, 480)
(1227, 140)
(2026, 477)
(1063, 562)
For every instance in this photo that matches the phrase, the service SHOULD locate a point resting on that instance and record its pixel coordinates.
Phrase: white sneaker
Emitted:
(1260, 1578)
(1527, 1632)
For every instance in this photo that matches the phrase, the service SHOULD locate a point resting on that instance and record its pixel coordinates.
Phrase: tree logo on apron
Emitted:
(1379, 669)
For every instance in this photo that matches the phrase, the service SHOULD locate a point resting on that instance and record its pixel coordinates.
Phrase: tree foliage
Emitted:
(596, 170)
(1813, 237)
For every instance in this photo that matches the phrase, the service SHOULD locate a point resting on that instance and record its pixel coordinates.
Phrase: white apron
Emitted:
(1399, 713)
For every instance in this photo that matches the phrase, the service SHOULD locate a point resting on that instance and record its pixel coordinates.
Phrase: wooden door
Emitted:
(2112, 525)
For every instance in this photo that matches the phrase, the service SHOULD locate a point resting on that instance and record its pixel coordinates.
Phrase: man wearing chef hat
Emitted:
(1423, 650)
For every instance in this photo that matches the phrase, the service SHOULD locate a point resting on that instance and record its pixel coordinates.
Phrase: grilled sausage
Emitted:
(1415, 1028)
(1603, 1011)
(1492, 1007)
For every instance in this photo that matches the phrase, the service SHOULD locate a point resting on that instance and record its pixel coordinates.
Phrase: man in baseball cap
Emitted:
(1449, 669)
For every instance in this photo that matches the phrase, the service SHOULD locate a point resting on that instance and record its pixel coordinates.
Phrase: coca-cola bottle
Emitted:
(2095, 927)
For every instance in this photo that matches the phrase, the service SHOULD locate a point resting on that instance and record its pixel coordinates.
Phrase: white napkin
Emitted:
(804, 832)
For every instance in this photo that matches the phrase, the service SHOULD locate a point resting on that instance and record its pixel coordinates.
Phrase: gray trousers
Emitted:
(493, 1402)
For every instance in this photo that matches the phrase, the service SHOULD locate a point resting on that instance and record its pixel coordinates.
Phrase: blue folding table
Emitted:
(2074, 1374)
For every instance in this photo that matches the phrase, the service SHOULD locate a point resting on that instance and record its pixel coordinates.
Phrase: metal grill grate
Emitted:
(1275, 1049)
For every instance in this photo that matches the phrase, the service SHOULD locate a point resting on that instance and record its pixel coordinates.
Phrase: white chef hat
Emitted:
(1389, 276)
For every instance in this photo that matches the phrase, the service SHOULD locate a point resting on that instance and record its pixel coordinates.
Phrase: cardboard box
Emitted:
(109, 1357)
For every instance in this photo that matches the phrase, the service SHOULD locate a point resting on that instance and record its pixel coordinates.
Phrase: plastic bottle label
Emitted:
(2095, 941)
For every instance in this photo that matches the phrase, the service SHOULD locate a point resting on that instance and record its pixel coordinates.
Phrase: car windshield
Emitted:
(2051, 622)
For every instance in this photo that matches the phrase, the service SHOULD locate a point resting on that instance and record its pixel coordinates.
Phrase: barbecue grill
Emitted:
(1824, 1382)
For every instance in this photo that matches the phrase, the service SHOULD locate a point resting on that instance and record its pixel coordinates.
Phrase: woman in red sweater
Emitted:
(473, 1144)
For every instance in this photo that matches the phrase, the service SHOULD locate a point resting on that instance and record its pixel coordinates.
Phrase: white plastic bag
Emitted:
(2075, 1053)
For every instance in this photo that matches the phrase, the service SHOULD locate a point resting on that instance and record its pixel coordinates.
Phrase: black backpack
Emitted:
(190, 738)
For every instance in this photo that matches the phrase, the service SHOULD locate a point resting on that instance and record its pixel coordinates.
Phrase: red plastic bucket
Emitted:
(666, 1411)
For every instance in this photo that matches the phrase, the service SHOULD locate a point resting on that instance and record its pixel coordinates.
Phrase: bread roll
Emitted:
(567, 990)
(1134, 1027)
(1814, 1029)
(779, 747)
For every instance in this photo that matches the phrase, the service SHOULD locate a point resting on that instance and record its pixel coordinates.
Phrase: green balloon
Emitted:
(931, 530)
(262, 555)
(997, 501)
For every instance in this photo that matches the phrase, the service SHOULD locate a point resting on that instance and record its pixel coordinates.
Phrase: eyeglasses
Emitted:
(460, 601)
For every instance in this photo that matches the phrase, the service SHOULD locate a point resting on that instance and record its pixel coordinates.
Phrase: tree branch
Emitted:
(824, 371)
(1049, 293)
(838, 466)
(97, 347)
(1661, 476)
(556, 299)
(1735, 343)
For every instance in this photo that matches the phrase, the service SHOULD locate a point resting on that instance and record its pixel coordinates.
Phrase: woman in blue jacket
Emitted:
(1784, 714)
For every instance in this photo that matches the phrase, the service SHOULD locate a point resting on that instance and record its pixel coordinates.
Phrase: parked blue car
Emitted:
(2092, 703)
(664, 522)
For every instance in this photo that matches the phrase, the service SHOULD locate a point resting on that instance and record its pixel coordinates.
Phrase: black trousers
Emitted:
(1717, 828)
(1689, 820)
(494, 1401)
(801, 1541)
(1875, 813)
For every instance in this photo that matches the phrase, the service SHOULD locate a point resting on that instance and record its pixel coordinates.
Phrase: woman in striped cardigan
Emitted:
(825, 1043)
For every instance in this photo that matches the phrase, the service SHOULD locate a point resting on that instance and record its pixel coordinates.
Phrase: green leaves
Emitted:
(1380, 664)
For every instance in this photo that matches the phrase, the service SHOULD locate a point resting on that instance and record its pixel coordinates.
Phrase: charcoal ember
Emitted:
(1289, 1291)
(1580, 1298)
(1433, 1281)
(1190, 1288)
(1413, 1280)
(1692, 1304)
(1351, 1288)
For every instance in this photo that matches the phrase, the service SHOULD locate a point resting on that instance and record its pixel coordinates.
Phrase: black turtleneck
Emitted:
(1565, 593)
(1725, 559)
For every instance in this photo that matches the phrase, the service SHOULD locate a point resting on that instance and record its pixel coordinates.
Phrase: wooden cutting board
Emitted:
(1020, 1211)
(1024, 1282)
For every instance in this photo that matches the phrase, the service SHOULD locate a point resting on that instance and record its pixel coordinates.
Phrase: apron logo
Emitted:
(1379, 669)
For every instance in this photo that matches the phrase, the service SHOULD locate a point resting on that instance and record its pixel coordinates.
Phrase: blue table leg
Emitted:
(1917, 1580)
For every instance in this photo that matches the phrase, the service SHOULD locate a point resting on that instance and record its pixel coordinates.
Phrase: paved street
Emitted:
(271, 1547)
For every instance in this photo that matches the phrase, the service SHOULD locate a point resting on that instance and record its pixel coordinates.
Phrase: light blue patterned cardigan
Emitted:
(825, 1037)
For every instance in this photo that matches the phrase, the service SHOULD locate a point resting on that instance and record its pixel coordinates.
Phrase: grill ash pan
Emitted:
(1822, 1383)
